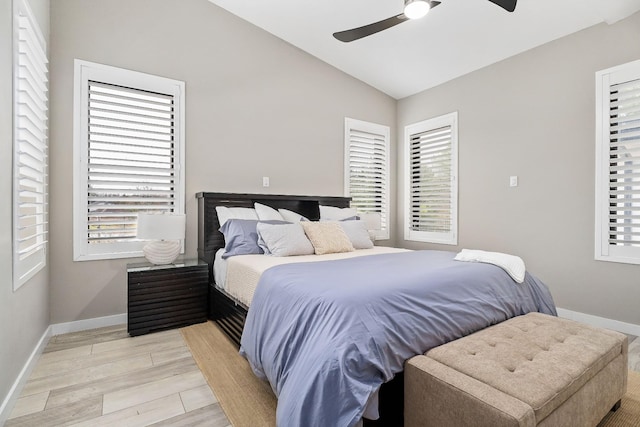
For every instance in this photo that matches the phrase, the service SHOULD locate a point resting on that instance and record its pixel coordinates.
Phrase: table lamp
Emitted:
(165, 233)
(373, 221)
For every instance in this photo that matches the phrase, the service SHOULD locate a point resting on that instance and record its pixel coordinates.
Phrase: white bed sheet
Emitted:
(238, 276)
(220, 269)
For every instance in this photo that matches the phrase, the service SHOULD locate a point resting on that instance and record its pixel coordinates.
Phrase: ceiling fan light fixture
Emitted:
(416, 9)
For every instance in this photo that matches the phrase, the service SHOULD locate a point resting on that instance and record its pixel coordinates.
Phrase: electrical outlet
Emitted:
(265, 181)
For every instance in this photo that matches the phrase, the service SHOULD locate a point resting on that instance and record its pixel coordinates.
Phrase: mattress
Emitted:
(238, 276)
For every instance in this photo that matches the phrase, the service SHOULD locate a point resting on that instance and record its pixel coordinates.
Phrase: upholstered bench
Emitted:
(532, 370)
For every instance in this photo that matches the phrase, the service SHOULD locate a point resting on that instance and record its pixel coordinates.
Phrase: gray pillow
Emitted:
(284, 239)
(358, 234)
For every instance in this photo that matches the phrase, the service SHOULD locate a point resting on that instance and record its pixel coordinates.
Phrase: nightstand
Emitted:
(166, 296)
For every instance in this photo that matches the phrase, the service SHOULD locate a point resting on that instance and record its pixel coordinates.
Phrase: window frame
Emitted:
(604, 251)
(385, 132)
(83, 72)
(27, 267)
(450, 238)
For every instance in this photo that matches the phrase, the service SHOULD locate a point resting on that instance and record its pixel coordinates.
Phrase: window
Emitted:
(129, 154)
(431, 187)
(618, 164)
(367, 169)
(30, 148)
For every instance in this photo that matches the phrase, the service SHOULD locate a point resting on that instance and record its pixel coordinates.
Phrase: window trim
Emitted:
(83, 72)
(450, 238)
(385, 131)
(25, 269)
(603, 250)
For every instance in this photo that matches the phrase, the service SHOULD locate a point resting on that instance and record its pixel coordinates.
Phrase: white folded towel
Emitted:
(512, 264)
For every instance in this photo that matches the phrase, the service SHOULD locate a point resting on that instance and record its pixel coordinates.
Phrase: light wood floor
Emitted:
(104, 377)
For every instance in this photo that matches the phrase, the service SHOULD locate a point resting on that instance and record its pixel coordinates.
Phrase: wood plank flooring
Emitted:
(104, 377)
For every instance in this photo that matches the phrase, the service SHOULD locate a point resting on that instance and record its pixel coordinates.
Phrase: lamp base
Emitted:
(161, 252)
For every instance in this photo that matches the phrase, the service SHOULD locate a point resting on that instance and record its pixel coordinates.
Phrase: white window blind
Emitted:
(431, 184)
(367, 169)
(618, 153)
(30, 147)
(132, 161)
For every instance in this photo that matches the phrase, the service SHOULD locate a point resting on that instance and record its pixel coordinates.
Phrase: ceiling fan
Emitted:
(413, 9)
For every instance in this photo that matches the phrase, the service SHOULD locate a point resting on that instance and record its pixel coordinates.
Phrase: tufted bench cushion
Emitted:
(530, 370)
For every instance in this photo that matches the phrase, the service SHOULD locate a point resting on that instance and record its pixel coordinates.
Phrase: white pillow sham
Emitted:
(292, 216)
(267, 213)
(225, 213)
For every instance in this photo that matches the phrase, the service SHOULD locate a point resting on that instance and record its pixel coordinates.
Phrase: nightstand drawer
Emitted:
(167, 296)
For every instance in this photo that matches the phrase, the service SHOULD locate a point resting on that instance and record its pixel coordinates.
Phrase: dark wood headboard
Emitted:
(210, 239)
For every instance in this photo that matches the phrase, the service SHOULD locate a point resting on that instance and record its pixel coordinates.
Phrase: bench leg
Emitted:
(616, 406)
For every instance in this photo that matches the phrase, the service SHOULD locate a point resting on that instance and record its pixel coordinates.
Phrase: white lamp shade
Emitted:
(161, 226)
(373, 220)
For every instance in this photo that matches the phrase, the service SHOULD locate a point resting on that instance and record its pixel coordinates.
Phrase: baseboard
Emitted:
(56, 329)
(18, 385)
(83, 325)
(602, 322)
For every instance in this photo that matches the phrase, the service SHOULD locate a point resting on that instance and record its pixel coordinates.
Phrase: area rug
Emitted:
(249, 402)
(246, 400)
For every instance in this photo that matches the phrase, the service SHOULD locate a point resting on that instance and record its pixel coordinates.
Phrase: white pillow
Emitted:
(331, 213)
(292, 216)
(284, 239)
(357, 232)
(225, 213)
(267, 213)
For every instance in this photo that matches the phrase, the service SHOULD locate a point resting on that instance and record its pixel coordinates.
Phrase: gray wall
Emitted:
(256, 106)
(24, 314)
(533, 116)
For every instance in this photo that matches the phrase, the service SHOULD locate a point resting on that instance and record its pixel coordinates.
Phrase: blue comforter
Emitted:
(327, 334)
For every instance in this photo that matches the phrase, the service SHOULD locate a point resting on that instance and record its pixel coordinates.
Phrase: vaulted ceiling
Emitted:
(455, 38)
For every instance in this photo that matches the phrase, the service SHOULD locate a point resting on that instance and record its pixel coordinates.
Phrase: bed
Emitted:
(226, 311)
(327, 334)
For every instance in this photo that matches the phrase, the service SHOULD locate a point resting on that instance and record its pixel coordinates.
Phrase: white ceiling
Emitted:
(455, 38)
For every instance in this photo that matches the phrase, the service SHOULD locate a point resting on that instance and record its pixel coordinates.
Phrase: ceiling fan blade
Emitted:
(366, 30)
(508, 5)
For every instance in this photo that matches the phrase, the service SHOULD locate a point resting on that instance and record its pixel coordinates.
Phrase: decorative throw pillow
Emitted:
(225, 213)
(267, 213)
(292, 216)
(332, 213)
(240, 237)
(284, 239)
(357, 233)
(327, 237)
